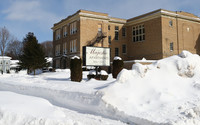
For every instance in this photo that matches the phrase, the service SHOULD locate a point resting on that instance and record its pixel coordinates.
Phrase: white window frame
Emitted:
(57, 50)
(117, 54)
(57, 34)
(65, 48)
(116, 30)
(124, 31)
(171, 23)
(125, 48)
(171, 46)
(73, 28)
(65, 31)
(136, 37)
(73, 46)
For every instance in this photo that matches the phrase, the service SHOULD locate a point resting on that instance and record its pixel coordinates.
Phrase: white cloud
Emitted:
(31, 10)
(23, 10)
(23, 16)
(132, 8)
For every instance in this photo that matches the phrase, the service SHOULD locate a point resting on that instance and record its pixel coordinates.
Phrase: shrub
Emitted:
(104, 75)
(92, 74)
(89, 76)
(8, 71)
(118, 65)
(76, 69)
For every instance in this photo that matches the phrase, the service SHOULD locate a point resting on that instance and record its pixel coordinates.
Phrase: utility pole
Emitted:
(2, 67)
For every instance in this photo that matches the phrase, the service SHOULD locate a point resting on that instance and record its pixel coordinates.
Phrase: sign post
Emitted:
(96, 56)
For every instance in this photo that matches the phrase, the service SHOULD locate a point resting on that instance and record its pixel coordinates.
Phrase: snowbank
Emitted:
(17, 109)
(166, 92)
(57, 88)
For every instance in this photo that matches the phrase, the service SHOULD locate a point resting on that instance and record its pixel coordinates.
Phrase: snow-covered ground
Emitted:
(166, 92)
(17, 109)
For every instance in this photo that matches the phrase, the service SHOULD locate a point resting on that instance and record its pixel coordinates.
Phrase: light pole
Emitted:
(2, 67)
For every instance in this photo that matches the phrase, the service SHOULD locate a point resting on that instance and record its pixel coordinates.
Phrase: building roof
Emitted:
(105, 16)
(159, 12)
(91, 14)
(82, 11)
(13, 62)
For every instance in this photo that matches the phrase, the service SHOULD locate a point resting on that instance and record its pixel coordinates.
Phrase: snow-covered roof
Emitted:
(12, 62)
(5, 57)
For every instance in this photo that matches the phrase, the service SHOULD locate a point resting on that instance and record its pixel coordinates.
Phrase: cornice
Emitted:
(180, 16)
(160, 13)
(82, 14)
(66, 22)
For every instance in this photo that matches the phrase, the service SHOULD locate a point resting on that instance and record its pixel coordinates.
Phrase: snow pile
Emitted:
(165, 92)
(103, 72)
(140, 69)
(92, 72)
(28, 110)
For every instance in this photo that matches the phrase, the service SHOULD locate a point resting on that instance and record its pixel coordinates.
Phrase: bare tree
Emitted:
(14, 49)
(5, 38)
(48, 48)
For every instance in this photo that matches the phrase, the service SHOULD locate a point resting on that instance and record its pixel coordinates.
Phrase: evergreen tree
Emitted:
(33, 56)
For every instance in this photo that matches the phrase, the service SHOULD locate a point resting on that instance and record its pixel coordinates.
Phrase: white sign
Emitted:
(97, 56)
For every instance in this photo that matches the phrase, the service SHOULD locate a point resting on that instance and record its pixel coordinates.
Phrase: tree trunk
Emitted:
(34, 72)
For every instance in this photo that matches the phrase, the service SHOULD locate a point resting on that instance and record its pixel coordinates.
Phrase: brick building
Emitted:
(154, 35)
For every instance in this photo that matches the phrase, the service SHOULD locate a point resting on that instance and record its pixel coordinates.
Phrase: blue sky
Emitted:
(38, 16)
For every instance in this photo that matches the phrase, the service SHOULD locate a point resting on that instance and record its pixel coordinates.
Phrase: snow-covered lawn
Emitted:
(165, 92)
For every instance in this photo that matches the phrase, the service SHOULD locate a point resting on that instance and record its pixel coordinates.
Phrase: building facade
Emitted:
(5, 64)
(154, 35)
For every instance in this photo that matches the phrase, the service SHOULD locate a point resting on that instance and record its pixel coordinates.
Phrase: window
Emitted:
(171, 46)
(138, 33)
(108, 27)
(170, 23)
(64, 31)
(57, 51)
(65, 48)
(123, 31)
(57, 63)
(116, 32)
(57, 34)
(124, 48)
(116, 51)
(99, 28)
(109, 40)
(73, 28)
(73, 46)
